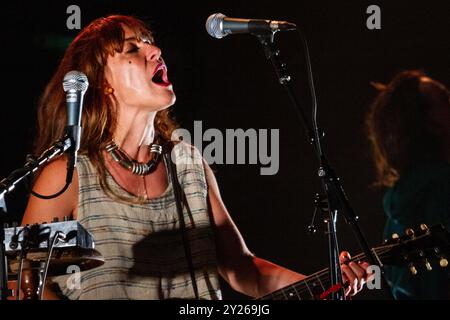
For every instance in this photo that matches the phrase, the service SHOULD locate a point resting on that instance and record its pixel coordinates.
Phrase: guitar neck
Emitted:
(414, 247)
(309, 288)
(313, 286)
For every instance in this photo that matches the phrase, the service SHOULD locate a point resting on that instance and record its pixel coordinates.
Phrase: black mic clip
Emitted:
(73, 133)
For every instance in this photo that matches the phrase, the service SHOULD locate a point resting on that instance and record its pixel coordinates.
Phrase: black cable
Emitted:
(69, 177)
(312, 91)
(53, 196)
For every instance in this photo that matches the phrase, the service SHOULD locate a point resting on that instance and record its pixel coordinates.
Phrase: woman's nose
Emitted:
(154, 53)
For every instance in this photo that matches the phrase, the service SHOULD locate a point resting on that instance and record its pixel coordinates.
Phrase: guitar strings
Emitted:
(322, 276)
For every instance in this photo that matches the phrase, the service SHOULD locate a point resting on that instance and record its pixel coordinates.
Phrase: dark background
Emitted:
(228, 84)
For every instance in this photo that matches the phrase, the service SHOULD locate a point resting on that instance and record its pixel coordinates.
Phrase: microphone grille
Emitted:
(214, 25)
(75, 80)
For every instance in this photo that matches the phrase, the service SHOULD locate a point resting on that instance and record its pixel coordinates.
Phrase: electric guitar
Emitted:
(416, 249)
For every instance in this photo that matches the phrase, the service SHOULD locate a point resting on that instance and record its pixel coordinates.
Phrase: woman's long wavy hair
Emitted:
(88, 53)
(397, 127)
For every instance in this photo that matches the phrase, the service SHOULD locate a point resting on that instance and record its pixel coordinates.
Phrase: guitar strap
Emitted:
(179, 197)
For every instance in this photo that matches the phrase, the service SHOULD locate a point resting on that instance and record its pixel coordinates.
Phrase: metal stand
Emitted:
(4, 291)
(8, 184)
(335, 195)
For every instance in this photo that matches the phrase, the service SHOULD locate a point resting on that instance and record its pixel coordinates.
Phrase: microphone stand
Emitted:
(4, 291)
(8, 184)
(335, 194)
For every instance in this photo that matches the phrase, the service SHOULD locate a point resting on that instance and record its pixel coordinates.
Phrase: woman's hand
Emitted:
(353, 273)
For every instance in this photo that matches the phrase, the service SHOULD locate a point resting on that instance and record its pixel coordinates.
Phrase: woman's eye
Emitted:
(133, 49)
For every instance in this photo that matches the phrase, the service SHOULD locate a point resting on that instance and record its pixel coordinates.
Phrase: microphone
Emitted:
(219, 26)
(75, 84)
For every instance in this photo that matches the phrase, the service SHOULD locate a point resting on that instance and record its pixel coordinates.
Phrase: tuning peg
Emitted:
(409, 232)
(423, 227)
(443, 262)
(395, 236)
(311, 230)
(428, 265)
(412, 269)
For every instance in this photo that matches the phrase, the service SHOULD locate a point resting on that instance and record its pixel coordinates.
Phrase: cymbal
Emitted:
(64, 261)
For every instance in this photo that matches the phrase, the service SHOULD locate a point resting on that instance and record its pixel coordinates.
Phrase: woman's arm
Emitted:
(249, 274)
(245, 272)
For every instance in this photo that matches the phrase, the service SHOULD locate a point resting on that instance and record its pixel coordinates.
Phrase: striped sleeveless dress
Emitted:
(142, 243)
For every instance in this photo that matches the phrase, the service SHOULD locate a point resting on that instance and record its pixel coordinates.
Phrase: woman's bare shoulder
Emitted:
(51, 180)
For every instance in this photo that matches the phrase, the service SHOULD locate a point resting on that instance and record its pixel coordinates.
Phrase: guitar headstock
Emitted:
(418, 248)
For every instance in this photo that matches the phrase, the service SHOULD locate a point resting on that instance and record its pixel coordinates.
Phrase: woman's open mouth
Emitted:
(160, 76)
